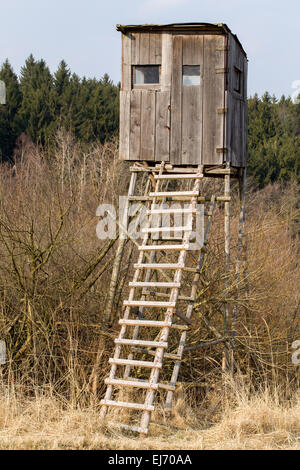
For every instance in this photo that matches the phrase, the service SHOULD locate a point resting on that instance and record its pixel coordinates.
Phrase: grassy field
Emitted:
(54, 278)
(258, 422)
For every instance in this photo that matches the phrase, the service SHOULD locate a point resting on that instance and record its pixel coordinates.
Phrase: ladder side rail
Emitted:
(227, 356)
(190, 307)
(122, 333)
(148, 271)
(242, 194)
(159, 354)
(119, 252)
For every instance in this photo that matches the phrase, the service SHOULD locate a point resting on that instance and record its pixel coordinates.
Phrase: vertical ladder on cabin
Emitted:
(146, 325)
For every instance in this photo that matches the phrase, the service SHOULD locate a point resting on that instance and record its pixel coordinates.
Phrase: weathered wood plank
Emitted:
(228, 99)
(236, 132)
(162, 123)
(176, 101)
(228, 125)
(236, 129)
(231, 58)
(188, 50)
(166, 62)
(213, 99)
(126, 63)
(135, 48)
(155, 49)
(147, 125)
(144, 48)
(245, 112)
(124, 125)
(192, 50)
(191, 125)
(238, 57)
(135, 125)
(192, 98)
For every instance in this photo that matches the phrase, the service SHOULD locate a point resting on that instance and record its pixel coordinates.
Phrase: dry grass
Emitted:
(54, 275)
(255, 422)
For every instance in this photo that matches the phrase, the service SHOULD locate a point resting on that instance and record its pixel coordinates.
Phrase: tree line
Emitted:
(38, 103)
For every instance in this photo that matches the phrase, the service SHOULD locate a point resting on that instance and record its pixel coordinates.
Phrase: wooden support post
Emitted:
(227, 313)
(242, 194)
(108, 313)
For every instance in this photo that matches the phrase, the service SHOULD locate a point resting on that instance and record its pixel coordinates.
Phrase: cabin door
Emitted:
(186, 100)
(149, 115)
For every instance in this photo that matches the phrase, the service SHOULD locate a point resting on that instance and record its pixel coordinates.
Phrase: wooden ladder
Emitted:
(153, 320)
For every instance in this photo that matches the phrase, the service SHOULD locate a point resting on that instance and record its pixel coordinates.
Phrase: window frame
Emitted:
(191, 84)
(239, 91)
(145, 86)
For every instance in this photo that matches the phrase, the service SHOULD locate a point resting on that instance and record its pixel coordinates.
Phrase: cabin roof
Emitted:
(210, 28)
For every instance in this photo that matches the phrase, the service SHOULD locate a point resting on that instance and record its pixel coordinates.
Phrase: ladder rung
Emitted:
(175, 357)
(170, 388)
(167, 229)
(159, 324)
(174, 193)
(180, 327)
(168, 239)
(171, 211)
(163, 247)
(158, 266)
(155, 284)
(145, 383)
(131, 383)
(139, 342)
(200, 199)
(148, 303)
(134, 363)
(187, 299)
(124, 404)
(180, 176)
(129, 427)
(162, 294)
(191, 270)
(184, 318)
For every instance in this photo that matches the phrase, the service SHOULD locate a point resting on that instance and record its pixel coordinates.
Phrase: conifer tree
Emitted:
(37, 112)
(9, 125)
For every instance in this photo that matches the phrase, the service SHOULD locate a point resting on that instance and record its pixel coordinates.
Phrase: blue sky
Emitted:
(83, 33)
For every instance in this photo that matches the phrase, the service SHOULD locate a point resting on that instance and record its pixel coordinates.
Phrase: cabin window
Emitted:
(237, 80)
(191, 75)
(145, 74)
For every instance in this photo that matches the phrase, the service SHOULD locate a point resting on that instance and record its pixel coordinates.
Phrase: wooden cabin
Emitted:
(183, 96)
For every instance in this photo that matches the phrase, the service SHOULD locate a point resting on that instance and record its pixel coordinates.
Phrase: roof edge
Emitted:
(217, 28)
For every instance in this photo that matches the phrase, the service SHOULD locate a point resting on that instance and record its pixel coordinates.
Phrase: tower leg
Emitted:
(242, 195)
(108, 314)
(227, 313)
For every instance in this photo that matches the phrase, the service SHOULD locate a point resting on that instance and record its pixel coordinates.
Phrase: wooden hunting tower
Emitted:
(183, 97)
(183, 119)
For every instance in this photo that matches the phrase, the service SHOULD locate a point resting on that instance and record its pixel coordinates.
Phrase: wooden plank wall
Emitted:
(195, 130)
(213, 99)
(245, 113)
(176, 101)
(192, 98)
(237, 119)
(166, 61)
(135, 124)
(162, 119)
(124, 153)
(126, 63)
(146, 48)
(148, 115)
(144, 114)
